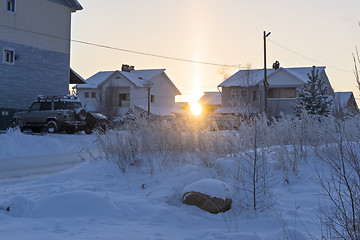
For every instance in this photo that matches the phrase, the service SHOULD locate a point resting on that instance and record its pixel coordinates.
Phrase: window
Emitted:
(244, 94)
(59, 105)
(235, 93)
(35, 106)
(9, 56)
(86, 94)
(93, 94)
(45, 106)
(152, 98)
(10, 6)
(255, 96)
(282, 93)
(124, 100)
(5, 113)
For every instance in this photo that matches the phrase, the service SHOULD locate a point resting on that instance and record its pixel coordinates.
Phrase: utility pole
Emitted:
(266, 84)
(148, 85)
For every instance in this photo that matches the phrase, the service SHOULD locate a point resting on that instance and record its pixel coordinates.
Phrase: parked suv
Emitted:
(53, 113)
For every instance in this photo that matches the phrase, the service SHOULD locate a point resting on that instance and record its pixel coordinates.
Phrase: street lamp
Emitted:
(266, 84)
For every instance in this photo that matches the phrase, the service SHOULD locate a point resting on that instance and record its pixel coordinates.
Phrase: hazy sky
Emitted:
(324, 32)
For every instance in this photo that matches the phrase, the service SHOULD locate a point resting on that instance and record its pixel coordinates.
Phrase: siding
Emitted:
(35, 72)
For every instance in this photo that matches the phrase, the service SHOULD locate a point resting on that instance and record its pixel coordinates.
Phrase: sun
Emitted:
(195, 108)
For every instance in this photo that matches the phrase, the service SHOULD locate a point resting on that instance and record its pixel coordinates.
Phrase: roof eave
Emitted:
(74, 4)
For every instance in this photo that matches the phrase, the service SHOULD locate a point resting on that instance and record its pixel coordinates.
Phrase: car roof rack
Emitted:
(58, 98)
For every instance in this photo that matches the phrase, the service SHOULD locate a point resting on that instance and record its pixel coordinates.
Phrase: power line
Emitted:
(123, 50)
(303, 56)
(167, 57)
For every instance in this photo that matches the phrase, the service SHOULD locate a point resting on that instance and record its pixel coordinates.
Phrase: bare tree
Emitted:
(252, 166)
(341, 186)
(109, 102)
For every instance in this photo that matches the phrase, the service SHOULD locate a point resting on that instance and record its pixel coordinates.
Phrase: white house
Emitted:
(243, 92)
(117, 92)
(34, 51)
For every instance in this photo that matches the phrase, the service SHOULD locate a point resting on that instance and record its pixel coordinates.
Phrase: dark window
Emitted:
(35, 106)
(9, 56)
(244, 94)
(152, 98)
(76, 105)
(282, 93)
(10, 5)
(93, 94)
(124, 100)
(255, 96)
(59, 105)
(124, 97)
(86, 94)
(45, 106)
(235, 93)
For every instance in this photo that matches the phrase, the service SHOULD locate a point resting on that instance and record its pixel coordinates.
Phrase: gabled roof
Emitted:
(253, 77)
(342, 98)
(210, 98)
(137, 77)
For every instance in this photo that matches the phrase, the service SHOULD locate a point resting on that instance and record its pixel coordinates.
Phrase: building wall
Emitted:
(37, 16)
(229, 100)
(163, 91)
(35, 72)
(42, 64)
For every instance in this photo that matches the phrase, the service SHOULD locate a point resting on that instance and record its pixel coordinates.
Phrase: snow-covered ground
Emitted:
(94, 200)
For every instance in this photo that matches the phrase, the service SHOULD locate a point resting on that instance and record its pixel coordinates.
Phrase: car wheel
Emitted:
(18, 124)
(88, 129)
(51, 127)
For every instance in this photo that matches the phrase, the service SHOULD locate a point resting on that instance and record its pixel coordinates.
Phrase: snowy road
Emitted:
(43, 164)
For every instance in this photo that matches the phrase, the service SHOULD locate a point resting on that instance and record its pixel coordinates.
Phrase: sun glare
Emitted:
(195, 108)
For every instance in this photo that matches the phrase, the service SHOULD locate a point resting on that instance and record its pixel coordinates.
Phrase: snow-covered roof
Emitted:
(252, 77)
(140, 77)
(210, 98)
(95, 80)
(342, 98)
(137, 77)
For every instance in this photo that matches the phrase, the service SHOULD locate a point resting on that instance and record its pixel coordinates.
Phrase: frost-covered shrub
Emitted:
(162, 142)
(340, 181)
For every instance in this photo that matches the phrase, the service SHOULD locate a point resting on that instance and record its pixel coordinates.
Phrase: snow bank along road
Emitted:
(24, 155)
(42, 164)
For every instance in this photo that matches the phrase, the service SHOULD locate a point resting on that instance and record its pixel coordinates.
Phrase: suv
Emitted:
(53, 113)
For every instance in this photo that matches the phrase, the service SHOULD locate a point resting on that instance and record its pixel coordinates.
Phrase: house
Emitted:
(116, 92)
(210, 101)
(243, 92)
(344, 103)
(34, 52)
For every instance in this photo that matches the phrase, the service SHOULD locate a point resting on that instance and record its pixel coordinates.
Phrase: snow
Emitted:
(137, 77)
(94, 200)
(210, 187)
(253, 77)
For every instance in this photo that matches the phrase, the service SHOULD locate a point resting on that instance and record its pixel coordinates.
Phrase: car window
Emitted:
(45, 106)
(59, 105)
(35, 106)
(77, 104)
(70, 105)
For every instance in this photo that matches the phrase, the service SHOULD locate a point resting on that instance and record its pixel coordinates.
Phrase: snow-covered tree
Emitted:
(314, 97)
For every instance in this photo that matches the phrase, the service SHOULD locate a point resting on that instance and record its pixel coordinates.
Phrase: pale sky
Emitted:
(324, 32)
